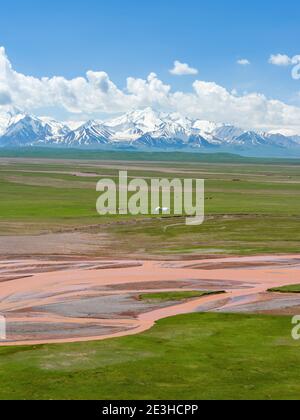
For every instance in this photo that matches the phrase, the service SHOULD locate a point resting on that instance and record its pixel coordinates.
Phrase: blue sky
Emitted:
(133, 38)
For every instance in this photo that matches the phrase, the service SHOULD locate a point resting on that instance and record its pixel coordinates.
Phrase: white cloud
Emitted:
(97, 94)
(244, 62)
(182, 69)
(280, 60)
(284, 60)
(296, 72)
(5, 98)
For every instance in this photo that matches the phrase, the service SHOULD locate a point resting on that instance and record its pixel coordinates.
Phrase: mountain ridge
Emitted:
(143, 129)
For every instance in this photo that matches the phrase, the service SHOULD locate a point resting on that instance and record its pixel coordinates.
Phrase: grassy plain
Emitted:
(251, 206)
(198, 356)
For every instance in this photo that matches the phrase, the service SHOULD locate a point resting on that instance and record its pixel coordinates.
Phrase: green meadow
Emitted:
(198, 356)
(175, 296)
(251, 206)
(294, 288)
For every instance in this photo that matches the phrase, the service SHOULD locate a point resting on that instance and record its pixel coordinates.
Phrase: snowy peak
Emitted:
(57, 129)
(145, 120)
(91, 133)
(205, 128)
(134, 124)
(170, 129)
(227, 133)
(4, 121)
(250, 138)
(146, 129)
(25, 129)
(6, 118)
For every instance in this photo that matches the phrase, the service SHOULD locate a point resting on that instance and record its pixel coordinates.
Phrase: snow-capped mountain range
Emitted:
(143, 129)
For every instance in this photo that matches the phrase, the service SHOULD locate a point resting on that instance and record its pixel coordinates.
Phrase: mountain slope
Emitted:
(147, 130)
(91, 133)
(26, 130)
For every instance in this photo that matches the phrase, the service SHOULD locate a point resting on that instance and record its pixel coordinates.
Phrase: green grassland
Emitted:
(287, 289)
(198, 356)
(58, 153)
(252, 206)
(175, 296)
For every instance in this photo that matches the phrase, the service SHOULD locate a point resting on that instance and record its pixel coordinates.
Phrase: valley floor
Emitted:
(71, 285)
